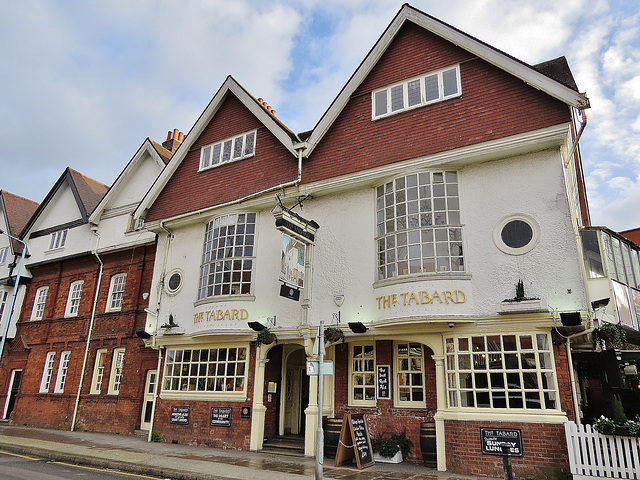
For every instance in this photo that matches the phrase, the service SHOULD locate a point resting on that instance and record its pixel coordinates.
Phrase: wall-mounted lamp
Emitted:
(145, 295)
(571, 319)
(257, 326)
(143, 334)
(338, 300)
(357, 327)
(603, 302)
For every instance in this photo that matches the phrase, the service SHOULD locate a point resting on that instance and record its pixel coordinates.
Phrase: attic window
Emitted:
(415, 92)
(228, 150)
(58, 239)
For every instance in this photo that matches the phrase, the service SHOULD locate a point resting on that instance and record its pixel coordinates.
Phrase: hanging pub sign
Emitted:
(296, 226)
(292, 260)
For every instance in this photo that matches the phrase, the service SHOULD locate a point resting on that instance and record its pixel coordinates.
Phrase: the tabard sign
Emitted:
(221, 416)
(180, 415)
(493, 439)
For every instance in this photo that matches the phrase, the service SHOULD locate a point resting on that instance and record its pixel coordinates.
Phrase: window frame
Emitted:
(419, 231)
(460, 358)
(63, 370)
(4, 295)
(73, 298)
(98, 372)
(225, 272)
(39, 303)
(182, 376)
(117, 369)
(520, 217)
(390, 92)
(47, 372)
(58, 239)
(354, 373)
(397, 402)
(116, 292)
(207, 152)
(4, 253)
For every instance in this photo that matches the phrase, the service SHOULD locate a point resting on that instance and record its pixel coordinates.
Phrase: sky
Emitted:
(85, 82)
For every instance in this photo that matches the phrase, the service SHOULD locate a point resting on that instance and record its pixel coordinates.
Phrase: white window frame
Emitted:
(47, 372)
(491, 376)
(388, 93)
(116, 292)
(4, 251)
(39, 303)
(362, 369)
(228, 256)
(117, 367)
(238, 147)
(4, 294)
(63, 369)
(58, 239)
(98, 372)
(73, 299)
(418, 226)
(207, 372)
(398, 384)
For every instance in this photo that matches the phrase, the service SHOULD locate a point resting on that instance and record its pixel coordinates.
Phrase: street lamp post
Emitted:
(15, 292)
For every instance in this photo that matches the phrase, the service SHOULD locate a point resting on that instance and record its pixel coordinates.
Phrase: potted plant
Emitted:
(170, 324)
(609, 334)
(604, 425)
(266, 337)
(391, 449)
(522, 303)
(333, 335)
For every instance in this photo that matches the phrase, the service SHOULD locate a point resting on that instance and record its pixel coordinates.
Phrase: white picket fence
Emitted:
(593, 455)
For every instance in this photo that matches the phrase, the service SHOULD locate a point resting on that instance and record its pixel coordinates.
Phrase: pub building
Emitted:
(431, 216)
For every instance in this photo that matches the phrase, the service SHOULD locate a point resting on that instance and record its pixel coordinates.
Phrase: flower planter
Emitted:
(397, 458)
(523, 306)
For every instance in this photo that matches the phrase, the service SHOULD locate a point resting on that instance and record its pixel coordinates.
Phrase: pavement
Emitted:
(133, 454)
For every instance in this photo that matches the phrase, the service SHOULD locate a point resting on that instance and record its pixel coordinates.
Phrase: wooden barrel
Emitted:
(428, 444)
(332, 430)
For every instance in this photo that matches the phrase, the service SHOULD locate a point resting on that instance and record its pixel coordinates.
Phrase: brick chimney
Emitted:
(173, 141)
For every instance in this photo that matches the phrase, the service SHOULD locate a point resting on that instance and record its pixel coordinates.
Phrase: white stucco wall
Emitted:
(344, 256)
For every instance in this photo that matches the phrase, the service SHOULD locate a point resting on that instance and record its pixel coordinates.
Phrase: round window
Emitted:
(175, 282)
(516, 234)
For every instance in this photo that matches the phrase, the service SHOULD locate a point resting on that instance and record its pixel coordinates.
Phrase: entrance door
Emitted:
(14, 385)
(147, 402)
(295, 389)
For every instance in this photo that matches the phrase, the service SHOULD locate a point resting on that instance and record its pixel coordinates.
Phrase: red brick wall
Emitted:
(190, 190)
(385, 419)
(199, 431)
(108, 413)
(544, 447)
(493, 104)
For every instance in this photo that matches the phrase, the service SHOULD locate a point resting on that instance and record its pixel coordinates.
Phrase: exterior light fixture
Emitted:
(603, 302)
(257, 326)
(357, 327)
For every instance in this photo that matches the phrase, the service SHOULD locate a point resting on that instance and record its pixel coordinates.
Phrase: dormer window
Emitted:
(415, 92)
(58, 239)
(228, 150)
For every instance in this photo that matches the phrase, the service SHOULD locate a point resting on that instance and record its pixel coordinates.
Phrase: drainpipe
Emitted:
(572, 377)
(155, 395)
(583, 125)
(93, 316)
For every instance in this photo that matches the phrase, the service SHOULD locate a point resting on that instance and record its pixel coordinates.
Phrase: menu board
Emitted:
(361, 440)
(382, 380)
(221, 416)
(180, 415)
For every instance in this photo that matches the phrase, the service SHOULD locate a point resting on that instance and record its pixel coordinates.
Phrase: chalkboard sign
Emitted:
(382, 379)
(221, 416)
(354, 442)
(180, 415)
(493, 438)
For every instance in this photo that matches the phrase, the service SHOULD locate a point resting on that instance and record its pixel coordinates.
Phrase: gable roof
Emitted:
(156, 151)
(17, 211)
(538, 78)
(229, 87)
(87, 193)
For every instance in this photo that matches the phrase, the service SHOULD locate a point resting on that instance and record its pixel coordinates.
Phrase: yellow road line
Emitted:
(105, 470)
(18, 455)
